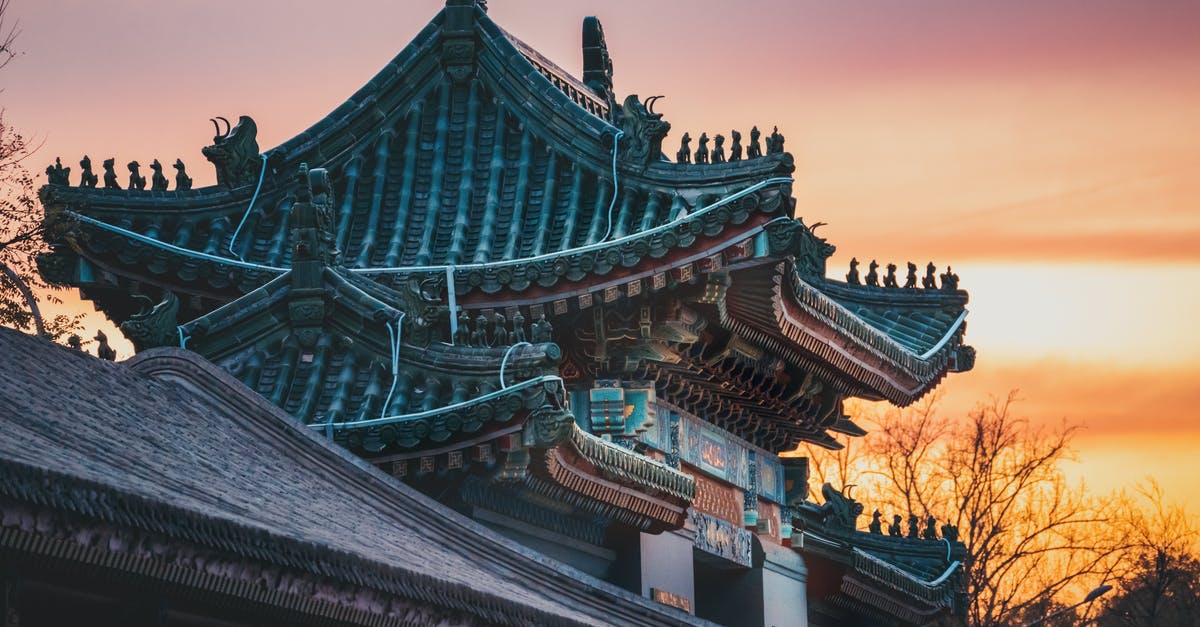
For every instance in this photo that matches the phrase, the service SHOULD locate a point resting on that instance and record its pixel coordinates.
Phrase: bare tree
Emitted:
(21, 230)
(1161, 584)
(8, 35)
(902, 448)
(1030, 535)
(1033, 539)
(840, 468)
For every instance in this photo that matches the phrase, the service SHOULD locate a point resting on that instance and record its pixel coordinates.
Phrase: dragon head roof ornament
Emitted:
(644, 131)
(234, 152)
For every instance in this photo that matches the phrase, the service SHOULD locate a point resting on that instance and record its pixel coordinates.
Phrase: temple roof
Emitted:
(170, 445)
(874, 342)
(909, 579)
(435, 171)
(491, 178)
(324, 345)
(336, 351)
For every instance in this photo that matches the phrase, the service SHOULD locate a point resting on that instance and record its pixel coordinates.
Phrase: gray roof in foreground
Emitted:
(168, 443)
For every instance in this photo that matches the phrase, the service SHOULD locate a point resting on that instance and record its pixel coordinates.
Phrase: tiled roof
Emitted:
(872, 338)
(345, 373)
(170, 444)
(495, 187)
(902, 578)
(916, 319)
(430, 171)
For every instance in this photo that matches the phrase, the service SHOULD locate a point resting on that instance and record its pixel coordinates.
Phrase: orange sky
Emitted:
(1050, 151)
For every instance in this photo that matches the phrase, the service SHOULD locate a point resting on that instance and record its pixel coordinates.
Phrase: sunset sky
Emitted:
(1048, 149)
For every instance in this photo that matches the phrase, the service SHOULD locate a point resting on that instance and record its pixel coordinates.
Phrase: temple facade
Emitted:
(483, 276)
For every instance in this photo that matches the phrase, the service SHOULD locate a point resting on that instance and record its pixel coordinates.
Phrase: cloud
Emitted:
(1106, 401)
(1135, 422)
(1181, 246)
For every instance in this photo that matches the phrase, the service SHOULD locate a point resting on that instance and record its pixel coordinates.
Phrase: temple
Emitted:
(484, 278)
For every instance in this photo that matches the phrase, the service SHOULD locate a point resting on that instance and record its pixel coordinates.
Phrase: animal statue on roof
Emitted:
(718, 151)
(58, 175)
(136, 180)
(894, 528)
(929, 282)
(889, 279)
(949, 280)
(104, 351)
(735, 151)
(462, 334)
(499, 330)
(87, 177)
(426, 319)
(775, 143)
(910, 282)
(684, 155)
(155, 325)
(754, 150)
(876, 526)
(644, 130)
(839, 510)
(852, 275)
(873, 274)
(110, 174)
(158, 182)
(548, 426)
(518, 332)
(312, 222)
(234, 152)
(183, 182)
(322, 200)
(810, 251)
(701, 155)
(479, 335)
(542, 332)
(930, 532)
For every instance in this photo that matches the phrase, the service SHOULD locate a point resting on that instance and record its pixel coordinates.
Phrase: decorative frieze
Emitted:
(721, 538)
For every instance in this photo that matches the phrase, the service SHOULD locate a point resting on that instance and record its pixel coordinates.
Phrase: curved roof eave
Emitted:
(800, 312)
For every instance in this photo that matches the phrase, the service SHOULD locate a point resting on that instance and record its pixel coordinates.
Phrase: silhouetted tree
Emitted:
(21, 231)
(1161, 585)
(1033, 539)
(1163, 589)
